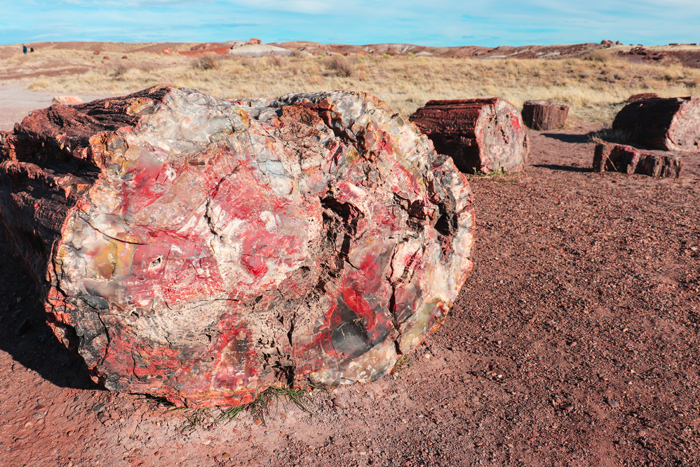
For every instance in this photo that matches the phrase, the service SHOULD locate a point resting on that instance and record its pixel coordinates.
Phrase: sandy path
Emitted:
(16, 102)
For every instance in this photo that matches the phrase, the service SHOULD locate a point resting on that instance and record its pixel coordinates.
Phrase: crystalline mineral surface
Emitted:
(202, 250)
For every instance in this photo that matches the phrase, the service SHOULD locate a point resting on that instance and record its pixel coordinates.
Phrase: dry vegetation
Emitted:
(595, 87)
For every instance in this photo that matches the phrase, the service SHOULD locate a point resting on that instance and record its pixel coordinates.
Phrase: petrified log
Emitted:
(610, 157)
(201, 250)
(544, 115)
(479, 134)
(671, 124)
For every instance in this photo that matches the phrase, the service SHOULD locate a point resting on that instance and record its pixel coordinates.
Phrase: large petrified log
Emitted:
(609, 157)
(481, 135)
(201, 250)
(671, 124)
(544, 115)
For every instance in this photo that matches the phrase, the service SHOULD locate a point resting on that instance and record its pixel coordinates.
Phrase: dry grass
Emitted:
(595, 88)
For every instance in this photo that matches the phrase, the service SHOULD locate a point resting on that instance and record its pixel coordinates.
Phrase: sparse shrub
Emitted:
(275, 60)
(118, 71)
(340, 65)
(613, 136)
(600, 55)
(205, 62)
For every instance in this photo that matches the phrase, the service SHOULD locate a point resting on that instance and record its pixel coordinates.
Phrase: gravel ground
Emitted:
(573, 343)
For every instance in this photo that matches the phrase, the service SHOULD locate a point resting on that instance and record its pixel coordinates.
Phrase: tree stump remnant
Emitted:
(202, 250)
(670, 124)
(610, 157)
(481, 135)
(544, 115)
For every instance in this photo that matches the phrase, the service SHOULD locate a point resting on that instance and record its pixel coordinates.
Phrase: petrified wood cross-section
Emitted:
(201, 250)
(670, 124)
(481, 135)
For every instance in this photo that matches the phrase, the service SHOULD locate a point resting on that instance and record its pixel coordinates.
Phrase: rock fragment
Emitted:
(202, 250)
(481, 135)
(610, 157)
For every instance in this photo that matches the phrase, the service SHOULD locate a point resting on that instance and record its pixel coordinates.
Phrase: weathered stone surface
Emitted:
(544, 115)
(481, 135)
(202, 250)
(671, 124)
(611, 157)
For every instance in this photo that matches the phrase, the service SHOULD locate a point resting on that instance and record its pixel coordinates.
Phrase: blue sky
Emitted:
(434, 22)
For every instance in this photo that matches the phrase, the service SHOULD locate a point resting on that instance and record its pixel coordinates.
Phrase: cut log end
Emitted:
(202, 250)
(544, 115)
(671, 124)
(481, 135)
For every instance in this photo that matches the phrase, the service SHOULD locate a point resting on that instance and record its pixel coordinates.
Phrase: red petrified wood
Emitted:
(544, 115)
(671, 124)
(627, 159)
(202, 250)
(481, 135)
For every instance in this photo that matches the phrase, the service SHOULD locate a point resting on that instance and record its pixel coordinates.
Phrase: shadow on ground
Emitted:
(24, 333)
(566, 168)
(568, 138)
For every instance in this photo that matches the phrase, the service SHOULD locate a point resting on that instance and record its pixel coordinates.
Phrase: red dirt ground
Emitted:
(575, 342)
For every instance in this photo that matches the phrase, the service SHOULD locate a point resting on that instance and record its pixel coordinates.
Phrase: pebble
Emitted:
(613, 403)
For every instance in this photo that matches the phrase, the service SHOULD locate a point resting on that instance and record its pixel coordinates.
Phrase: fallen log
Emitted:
(671, 124)
(611, 157)
(544, 115)
(481, 135)
(202, 250)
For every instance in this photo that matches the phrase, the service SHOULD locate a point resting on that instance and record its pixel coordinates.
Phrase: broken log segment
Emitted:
(671, 124)
(202, 250)
(481, 135)
(611, 157)
(544, 115)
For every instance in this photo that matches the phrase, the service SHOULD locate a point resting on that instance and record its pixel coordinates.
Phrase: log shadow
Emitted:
(26, 336)
(566, 168)
(568, 138)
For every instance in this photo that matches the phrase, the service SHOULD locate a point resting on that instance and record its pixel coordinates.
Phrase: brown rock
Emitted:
(481, 135)
(544, 115)
(202, 250)
(671, 124)
(611, 157)
(254, 41)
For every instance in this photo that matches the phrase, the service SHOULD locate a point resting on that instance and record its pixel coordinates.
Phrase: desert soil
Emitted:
(575, 342)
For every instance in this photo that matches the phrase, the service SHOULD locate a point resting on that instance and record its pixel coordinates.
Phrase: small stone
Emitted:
(339, 403)
(612, 403)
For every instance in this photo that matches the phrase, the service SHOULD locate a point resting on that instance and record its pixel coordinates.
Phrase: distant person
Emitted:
(31, 51)
(24, 48)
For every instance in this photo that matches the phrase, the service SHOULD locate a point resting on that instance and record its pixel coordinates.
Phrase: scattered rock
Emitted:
(610, 157)
(201, 250)
(481, 135)
(671, 124)
(544, 115)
